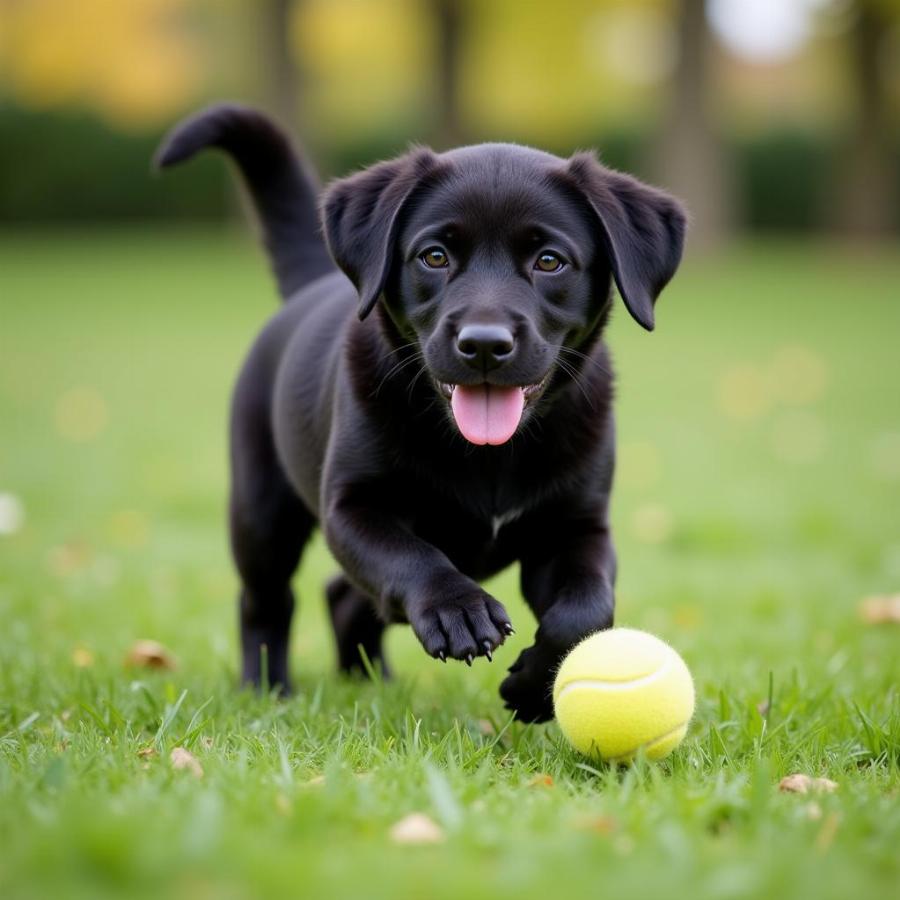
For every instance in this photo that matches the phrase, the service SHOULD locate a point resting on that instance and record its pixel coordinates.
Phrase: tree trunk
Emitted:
(448, 18)
(279, 74)
(867, 195)
(689, 158)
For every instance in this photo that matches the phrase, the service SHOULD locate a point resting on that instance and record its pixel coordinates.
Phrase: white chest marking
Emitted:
(497, 522)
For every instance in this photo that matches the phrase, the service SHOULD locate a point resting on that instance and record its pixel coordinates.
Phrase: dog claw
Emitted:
(442, 656)
(487, 650)
(469, 659)
(509, 629)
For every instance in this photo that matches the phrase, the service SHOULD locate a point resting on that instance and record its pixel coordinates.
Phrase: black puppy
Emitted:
(465, 425)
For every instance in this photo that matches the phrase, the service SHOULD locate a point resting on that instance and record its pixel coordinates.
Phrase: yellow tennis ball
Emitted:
(623, 690)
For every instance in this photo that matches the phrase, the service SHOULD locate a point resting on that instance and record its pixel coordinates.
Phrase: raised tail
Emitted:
(283, 192)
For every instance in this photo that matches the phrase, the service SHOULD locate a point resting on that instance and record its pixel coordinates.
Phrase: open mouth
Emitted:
(489, 413)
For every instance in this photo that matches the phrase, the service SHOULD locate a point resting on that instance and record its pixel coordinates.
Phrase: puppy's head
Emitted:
(494, 260)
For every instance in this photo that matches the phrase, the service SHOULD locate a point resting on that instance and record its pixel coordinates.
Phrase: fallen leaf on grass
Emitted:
(82, 658)
(150, 655)
(147, 752)
(880, 610)
(416, 828)
(798, 783)
(319, 780)
(597, 824)
(69, 559)
(182, 759)
(542, 779)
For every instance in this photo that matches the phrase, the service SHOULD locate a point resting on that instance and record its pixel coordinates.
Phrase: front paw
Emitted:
(528, 689)
(462, 626)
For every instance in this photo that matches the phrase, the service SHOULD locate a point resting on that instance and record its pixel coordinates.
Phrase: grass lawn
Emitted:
(757, 501)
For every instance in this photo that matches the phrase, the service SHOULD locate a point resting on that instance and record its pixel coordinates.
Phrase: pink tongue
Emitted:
(486, 413)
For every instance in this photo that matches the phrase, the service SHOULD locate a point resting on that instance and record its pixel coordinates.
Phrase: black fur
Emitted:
(283, 190)
(340, 418)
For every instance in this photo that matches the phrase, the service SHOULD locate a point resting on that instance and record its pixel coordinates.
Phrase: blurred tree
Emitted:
(689, 157)
(560, 75)
(867, 201)
(279, 64)
(133, 61)
(368, 65)
(448, 17)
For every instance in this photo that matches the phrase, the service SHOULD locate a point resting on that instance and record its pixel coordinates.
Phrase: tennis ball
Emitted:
(623, 690)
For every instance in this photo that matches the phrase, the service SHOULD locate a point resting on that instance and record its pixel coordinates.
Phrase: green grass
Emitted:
(758, 500)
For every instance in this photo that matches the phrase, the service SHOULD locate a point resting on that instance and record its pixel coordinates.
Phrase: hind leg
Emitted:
(356, 624)
(267, 540)
(269, 529)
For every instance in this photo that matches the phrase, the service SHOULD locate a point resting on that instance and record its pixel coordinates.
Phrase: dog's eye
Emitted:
(548, 262)
(435, 258)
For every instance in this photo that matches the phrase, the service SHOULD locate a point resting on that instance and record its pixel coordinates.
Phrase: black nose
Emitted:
(484, 347)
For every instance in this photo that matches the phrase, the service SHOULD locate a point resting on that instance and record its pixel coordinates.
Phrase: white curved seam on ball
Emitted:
(598, 684)
(629, 753)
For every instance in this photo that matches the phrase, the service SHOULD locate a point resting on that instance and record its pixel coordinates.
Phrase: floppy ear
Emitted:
(361, 218)
(642, 227)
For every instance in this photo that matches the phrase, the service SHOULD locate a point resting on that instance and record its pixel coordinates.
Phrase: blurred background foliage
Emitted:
(772, 114)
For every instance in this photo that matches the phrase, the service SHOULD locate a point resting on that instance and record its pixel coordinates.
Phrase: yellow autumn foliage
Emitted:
(132, 60)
